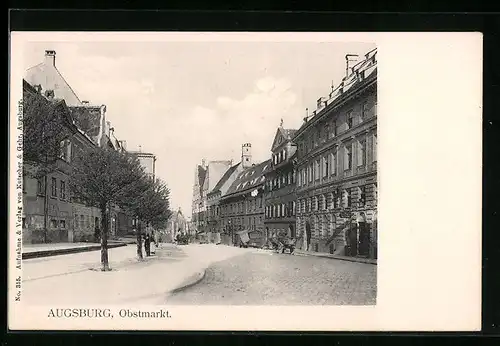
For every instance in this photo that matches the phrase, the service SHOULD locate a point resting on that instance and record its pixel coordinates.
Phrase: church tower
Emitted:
(246, 155)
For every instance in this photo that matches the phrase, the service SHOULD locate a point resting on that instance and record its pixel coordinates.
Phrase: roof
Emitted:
(140, 153)
(50, 78)
(362, 73)
(250, 178)
(225, 177)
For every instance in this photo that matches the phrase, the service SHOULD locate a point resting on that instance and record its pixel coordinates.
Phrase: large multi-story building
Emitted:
(90, 128)
(337, 167)
(242, 207)
(279, 195)
(50, 213)
(206, 177)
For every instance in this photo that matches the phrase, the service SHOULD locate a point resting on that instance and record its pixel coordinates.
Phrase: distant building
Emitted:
(206, 178)
(147, 161)
(242, 206)
(280, 195)
(177, 224)
(337, 167)
(214, 226)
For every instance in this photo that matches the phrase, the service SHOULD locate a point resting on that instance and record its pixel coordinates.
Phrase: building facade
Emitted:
(242, 207)
(279, 194)
(49, 201)
(337, 167)
(206, 178)
(214, 226)
(147, 161)
(75, 220)
(177, 224)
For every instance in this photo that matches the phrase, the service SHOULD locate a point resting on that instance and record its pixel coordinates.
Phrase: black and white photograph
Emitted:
(173, 174)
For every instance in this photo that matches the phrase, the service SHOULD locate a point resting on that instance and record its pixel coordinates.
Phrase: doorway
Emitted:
(352, 240)
(364, 239)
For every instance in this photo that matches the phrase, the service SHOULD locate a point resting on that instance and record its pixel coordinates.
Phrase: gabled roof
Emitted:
(37, 75)
(251, 177)
(225, 177)
(282, 136)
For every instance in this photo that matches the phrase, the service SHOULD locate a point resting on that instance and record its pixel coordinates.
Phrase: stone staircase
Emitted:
(337, 231)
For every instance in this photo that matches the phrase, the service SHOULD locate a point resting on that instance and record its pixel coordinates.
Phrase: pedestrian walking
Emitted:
(152, 246)
(147, 245)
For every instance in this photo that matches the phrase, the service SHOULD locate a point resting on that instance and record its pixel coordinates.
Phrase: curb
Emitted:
(57, 252)
(342, 258)
(191, 281)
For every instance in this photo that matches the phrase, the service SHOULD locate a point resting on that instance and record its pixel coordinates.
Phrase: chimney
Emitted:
(246, 155)
(50, 57)
(124, 145)
(202, 162)
(350, 58)
(49, 94)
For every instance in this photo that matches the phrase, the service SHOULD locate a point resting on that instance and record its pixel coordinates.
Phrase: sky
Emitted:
(188, 101)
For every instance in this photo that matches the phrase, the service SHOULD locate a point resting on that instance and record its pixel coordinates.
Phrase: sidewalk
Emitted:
(53, 249)
(76, 279)
(343, 258)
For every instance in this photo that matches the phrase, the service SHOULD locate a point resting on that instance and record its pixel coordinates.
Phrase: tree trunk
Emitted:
(104, 238)
(139, 241)
(45, 208)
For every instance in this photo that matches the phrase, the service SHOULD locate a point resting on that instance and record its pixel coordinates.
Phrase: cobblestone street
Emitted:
(264, 278)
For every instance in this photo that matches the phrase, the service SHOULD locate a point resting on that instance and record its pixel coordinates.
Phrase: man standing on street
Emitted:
(147, 245)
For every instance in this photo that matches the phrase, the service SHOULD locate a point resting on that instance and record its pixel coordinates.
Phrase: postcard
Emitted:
(245, 181)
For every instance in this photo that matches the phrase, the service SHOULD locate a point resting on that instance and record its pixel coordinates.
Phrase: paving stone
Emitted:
(281, 279)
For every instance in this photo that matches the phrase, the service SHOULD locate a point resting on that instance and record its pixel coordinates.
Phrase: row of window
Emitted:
(55, 189)
(279, 157)
(245, 222)
(280, 181)
(54, 224)
(241, 207)
(86, 221)
(327, 164)
(329, 130)
(347, 198)
(280, 210)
